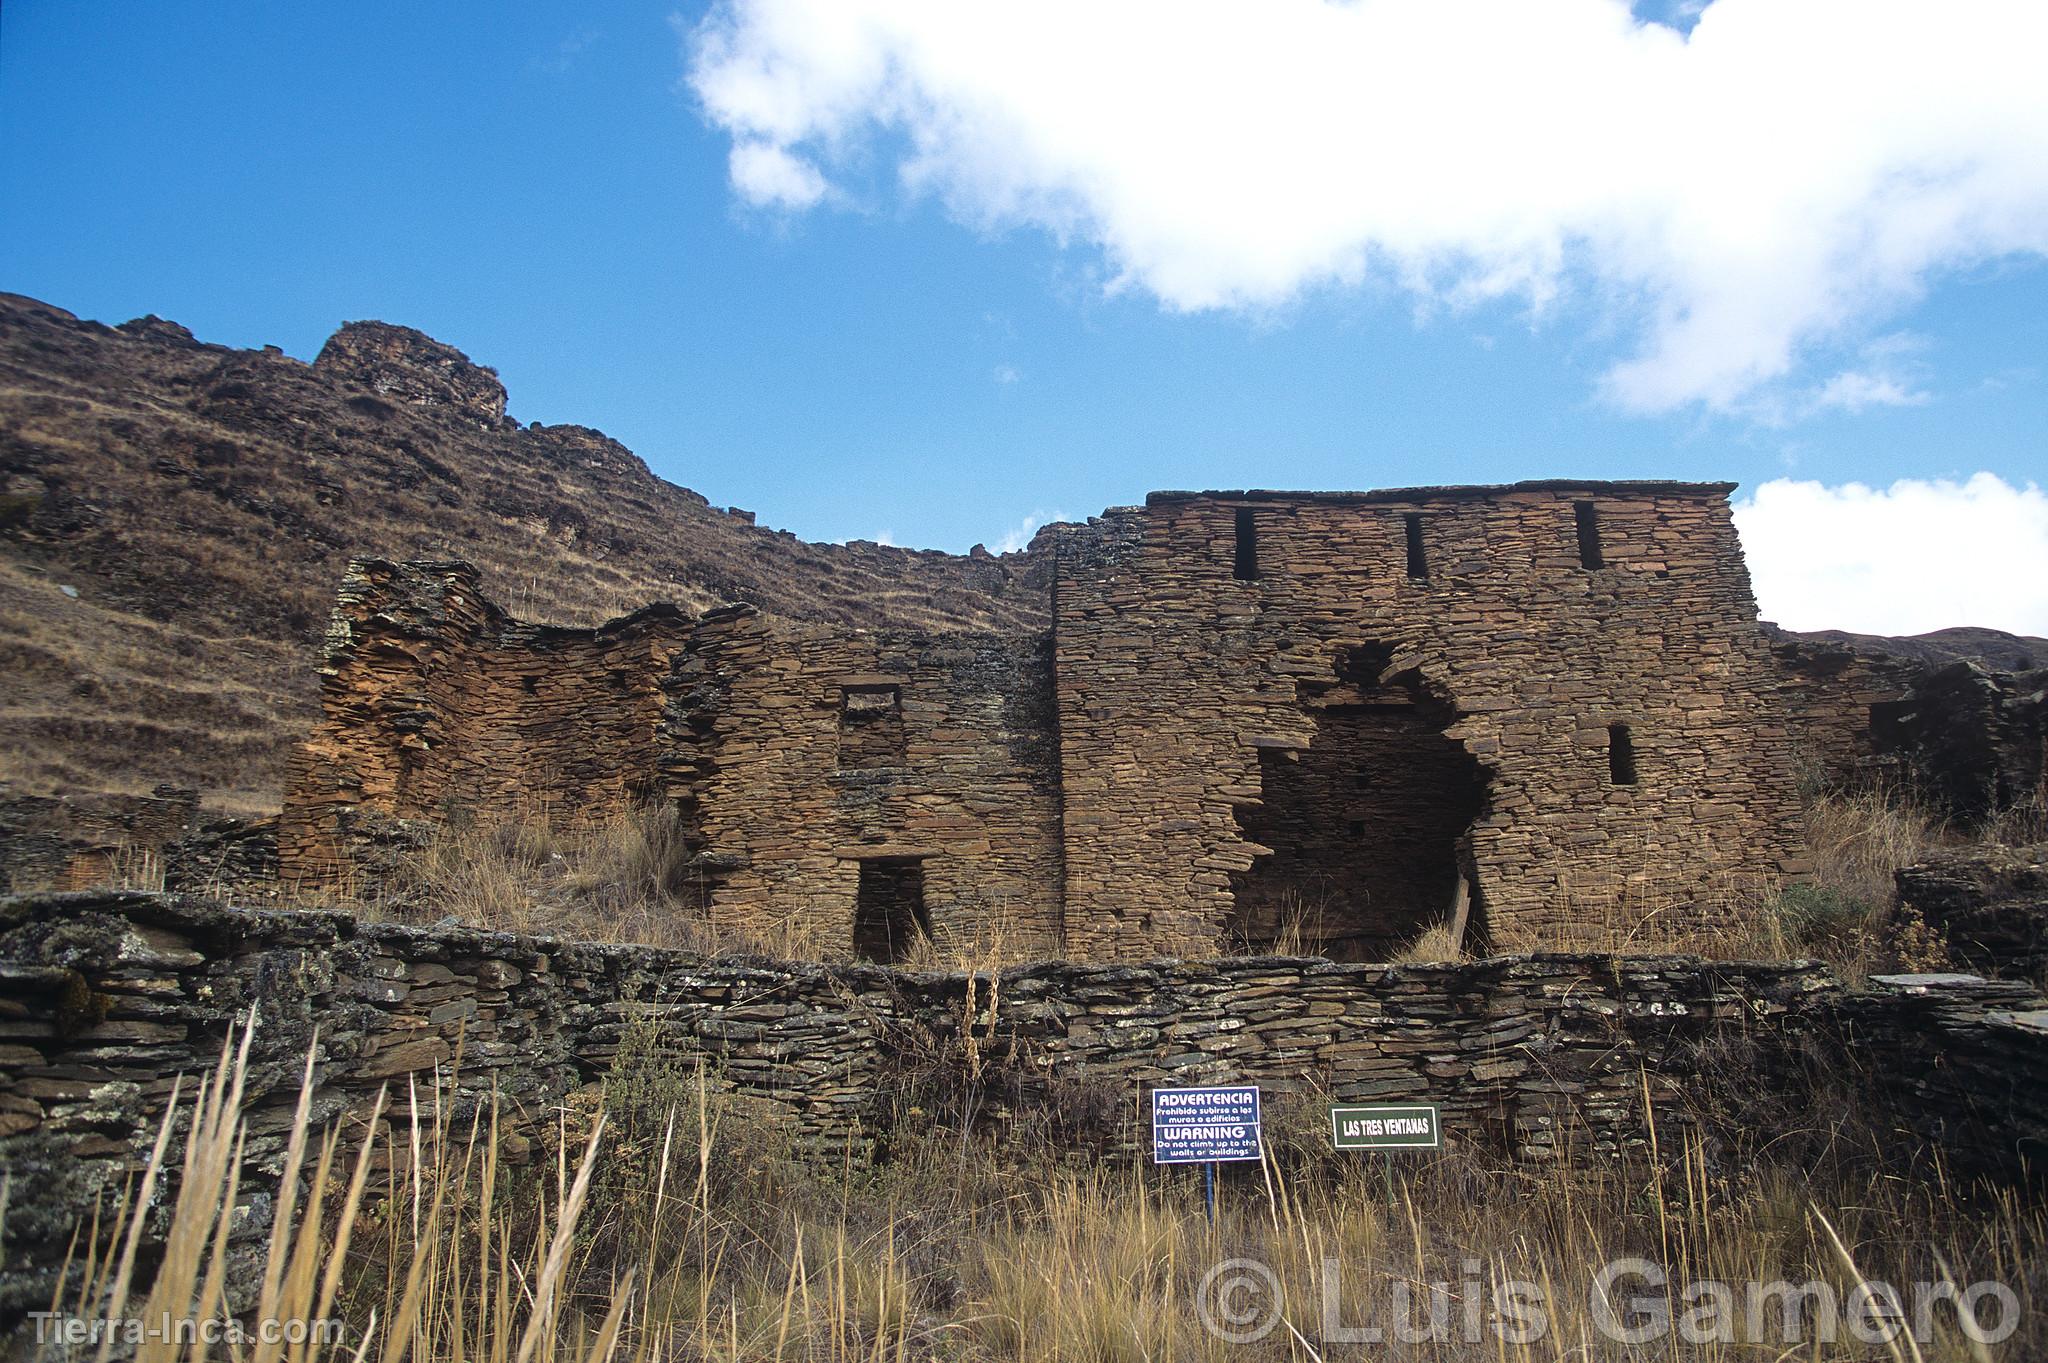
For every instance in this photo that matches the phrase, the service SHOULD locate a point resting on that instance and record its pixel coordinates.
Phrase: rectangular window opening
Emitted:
(1589, 535)
(1246, 568)
(870, 727)
(1888, 724)
(1418, 566)
(889, 917)
(1621, 755)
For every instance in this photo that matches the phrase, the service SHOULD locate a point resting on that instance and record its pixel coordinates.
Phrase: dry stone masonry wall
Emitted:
(109, 997)
(1538, 715)
(440, 706)
(1209, 643)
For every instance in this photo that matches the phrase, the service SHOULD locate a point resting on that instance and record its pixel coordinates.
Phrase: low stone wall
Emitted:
(106, 997)
(1990, 905)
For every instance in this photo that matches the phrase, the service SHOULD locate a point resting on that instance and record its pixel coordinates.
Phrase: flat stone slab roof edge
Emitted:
(1622, 488)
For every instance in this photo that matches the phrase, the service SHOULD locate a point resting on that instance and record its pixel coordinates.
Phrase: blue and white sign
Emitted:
(1196, 1126)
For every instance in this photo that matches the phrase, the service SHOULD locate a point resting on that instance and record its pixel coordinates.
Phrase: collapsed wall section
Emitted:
(1963, 739)
(439, 706)
(804, 762)
(1595, 646)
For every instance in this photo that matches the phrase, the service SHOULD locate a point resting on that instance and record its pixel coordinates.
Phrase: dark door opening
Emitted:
(1369, 829)
(888, 909)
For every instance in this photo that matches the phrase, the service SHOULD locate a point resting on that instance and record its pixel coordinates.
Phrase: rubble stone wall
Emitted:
(1839, 702)
(1964, 739)
(109, 997)
(1176, 672)
(439, 706)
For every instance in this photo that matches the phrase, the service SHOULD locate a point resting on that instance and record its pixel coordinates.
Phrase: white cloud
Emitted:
(1772, 181)
(768, 176)
(1006, 374)
(1853, 390)
(1020, 536)
(1917, 556)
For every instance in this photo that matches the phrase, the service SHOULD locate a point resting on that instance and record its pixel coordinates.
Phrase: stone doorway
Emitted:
(1369, 825)
(889, 917)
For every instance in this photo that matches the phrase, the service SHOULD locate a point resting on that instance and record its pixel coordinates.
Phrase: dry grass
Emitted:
(1847, 913)
(668, 1221)
(624, 879)
(628, 879)
(1858, 840)
(1436, 945)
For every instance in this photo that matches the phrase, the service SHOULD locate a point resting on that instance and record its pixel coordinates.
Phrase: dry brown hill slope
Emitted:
(175, 517)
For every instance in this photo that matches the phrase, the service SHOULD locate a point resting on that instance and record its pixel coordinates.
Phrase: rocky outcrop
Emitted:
(1990, 904)
(411, 367)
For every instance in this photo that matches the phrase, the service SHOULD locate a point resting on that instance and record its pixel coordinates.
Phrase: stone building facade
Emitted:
(1540, 715)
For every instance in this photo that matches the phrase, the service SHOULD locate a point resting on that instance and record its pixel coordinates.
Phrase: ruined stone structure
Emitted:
(1540, 715)
(1964, 739)
(110, 995)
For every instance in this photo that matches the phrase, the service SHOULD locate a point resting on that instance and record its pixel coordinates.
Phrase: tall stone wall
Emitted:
(440, 706)
(1966, 740)
(437, 705)
(1183, 669)
(801, 756)
(109, 996)
(1540, 715)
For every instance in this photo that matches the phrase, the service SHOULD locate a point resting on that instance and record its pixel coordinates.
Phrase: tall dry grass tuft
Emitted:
(1847, 912)
(428, 1266)
(625, 878)
(1858, 840)
(667, 1220)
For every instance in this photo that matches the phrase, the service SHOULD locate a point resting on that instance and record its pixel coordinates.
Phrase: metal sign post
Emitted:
(1206, 1126)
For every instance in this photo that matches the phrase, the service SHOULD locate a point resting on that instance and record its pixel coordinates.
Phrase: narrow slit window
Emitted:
(1418, 565)
(1589, 535)
(1621, 755)
(1247, 565)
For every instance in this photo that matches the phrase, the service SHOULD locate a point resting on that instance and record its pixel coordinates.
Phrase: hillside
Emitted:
(175, 516)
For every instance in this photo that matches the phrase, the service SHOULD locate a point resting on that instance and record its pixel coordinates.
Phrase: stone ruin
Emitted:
(1539, 715)
(1544, 1058)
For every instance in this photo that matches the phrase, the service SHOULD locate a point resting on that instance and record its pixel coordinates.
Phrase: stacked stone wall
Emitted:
(1176, 674)
(1227, 726)
(51, 843)
(109, 997)
(800, 753)
(437, 706)
(1838, 701)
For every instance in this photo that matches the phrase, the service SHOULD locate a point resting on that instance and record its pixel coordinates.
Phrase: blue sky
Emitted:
(928, 305)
